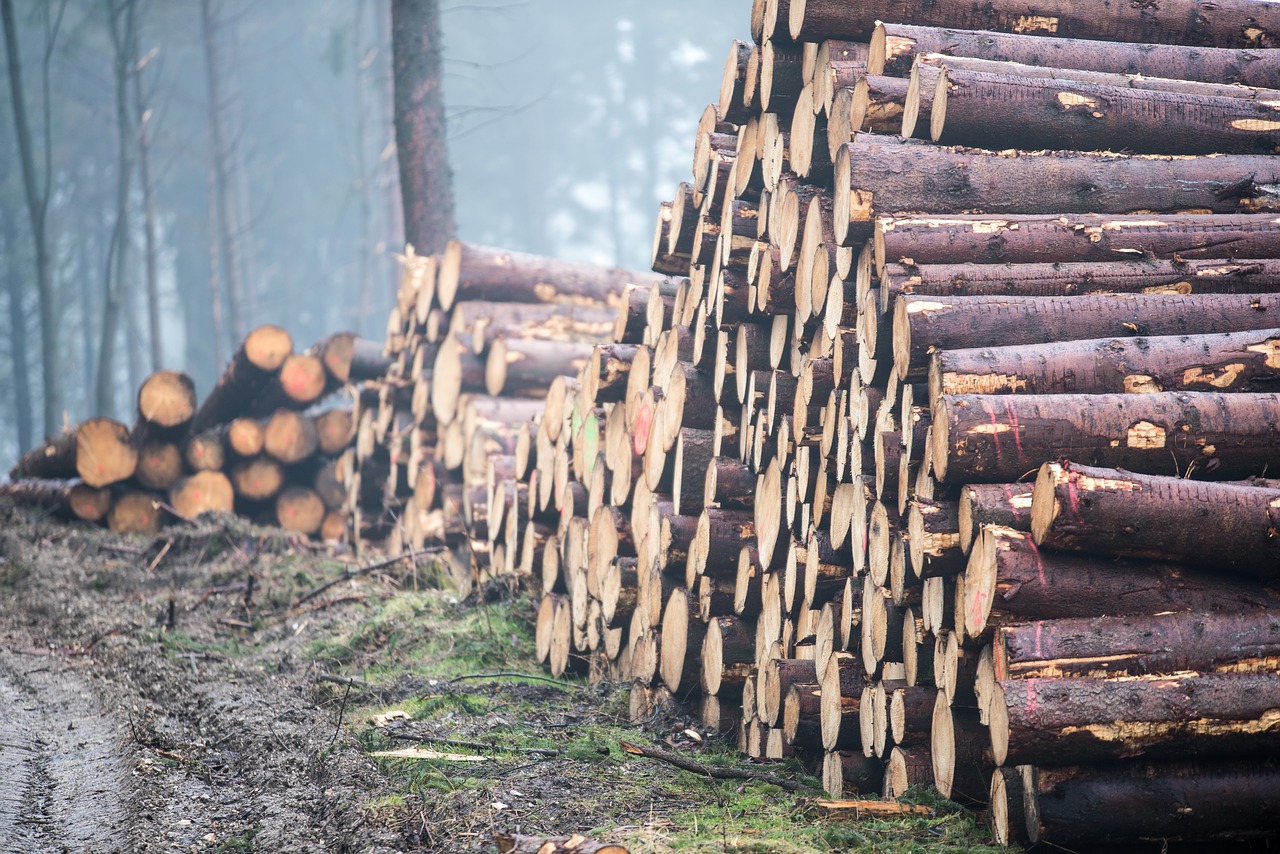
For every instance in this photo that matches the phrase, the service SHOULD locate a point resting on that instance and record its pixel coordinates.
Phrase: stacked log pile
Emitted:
(797, 487)
(478, 343)
(258, 445)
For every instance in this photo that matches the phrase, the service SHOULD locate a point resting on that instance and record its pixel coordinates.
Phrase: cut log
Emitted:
(290, 437)
(894, 47)
(1048, 238)
(908, 767)
(1245, 642)
(73, 498)
(300, 382)
(1237, 23)
(259, 358)
(470, 272)
(848, 772)
(246, 437)
(104, 453)
(1019, 111)
(335, 430)
(349, 358)
(206, 451)
(1001, 438)
(1089, 805)
(842, 683)
(525, 368)
(1219, 526)
(961, 770)
(1232, 361)
(204, 492)
(486, 322)
(166, 402)
(300, 509)
(136, 512)
(1009, 579)
(1007, 505)
(728, 656)
(518, 843)
(878, 177)
(683, 633)
(159, 465)
(257, 479)
(933, 538)
(1038, 721)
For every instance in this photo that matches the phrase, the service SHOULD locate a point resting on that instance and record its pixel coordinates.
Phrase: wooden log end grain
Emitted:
(203, 492)
(103, 452)
(167, 399)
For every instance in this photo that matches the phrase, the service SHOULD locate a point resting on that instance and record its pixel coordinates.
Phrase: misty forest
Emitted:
(173, 174)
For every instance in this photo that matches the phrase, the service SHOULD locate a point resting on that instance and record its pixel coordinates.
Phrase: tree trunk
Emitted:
(16, 331)
(151, 248)
(925, 324)
(1222, 362)
(1105, 511)
(38, 206)
(1001, 438)
(73, 498)
(894, 48)
(1235, 23)
(1086, 805)
(1038, 721)
(1010, 580)
(881, 177)
(1055, 238)
(1245, 642)
(1017, 111)
(426, 182)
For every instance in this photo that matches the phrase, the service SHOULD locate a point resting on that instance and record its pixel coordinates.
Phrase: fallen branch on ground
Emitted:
(716, 771)
(349, 574)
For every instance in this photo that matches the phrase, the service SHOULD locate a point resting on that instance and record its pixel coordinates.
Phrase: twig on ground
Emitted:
(719, 773)
(344, 680)
(168, 544)
(341, 714)
(558, 683)
(324, 603)
(410, 735)
(349, 574)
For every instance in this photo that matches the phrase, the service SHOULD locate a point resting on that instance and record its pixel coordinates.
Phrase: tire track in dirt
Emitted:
(63, 771)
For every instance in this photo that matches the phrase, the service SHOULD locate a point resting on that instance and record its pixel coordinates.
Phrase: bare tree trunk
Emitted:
(148, 219)
(121, 24)
(426, 183)
(225, 225)
(37, 201)
(215, 274)
(17, 339)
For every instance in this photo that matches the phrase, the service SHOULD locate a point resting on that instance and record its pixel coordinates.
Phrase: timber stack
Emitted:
(262, 444)
(477, 345)
(941, 464)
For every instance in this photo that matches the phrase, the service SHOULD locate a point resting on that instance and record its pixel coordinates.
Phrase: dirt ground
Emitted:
(206, 691)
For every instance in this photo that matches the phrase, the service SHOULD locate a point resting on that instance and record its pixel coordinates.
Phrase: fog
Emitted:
(568, 122)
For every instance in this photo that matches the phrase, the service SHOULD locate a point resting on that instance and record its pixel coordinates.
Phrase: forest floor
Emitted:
(206, 691)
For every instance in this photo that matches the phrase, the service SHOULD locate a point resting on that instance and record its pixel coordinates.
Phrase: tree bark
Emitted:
(894, 48)
(426, 182)
(1054, 238)
(259, 358)
(1005, 504)
(1086, 805)
(1223, 362)
(1105, 511)
(924, 324)
(1244, 642)
(1042, 721)
(1001, 438)
(1236, 23)
(881, 177)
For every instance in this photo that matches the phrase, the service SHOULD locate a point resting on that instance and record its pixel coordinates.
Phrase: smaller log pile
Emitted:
(257, 445)
(478, 338)
(793, 489)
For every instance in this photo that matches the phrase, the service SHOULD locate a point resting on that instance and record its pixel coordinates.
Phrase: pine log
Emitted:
(257, 478)
(894, 47)
(1018, 111)
(1039, 721)
(348, 358)
(470, 272)
(1222, 362)
(103, 452)
(73, 498)
(683, 633)
(486, 322)
(259, 358)
(878, 177)
(1009, 579)
(1007, 505)
(166, 402)
(1001, 438)
(1106, 511)
(933, 538)
(300, 382)
(290, 437)
(159, 465)
(300, 509)
(728, 656)
(732, 83)
(908, 767)
(848, 772)
(203, 492)
(246, 437)
(525, 368)
(1083, 806)
(206, 451)
(1237, 23)
(456, 370)
(1048, 238)
(1245, 642)
(961, 768)
(842, 682)
(135, 512)
(335, 430)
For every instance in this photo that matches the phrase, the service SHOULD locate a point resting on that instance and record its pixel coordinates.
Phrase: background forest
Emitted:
(198, 167)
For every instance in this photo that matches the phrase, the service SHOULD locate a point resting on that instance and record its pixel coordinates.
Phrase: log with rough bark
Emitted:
(1005, 505)
(348, 358)
(99, 452)
(1219, 526)
(1012, 110)
(894, 48)
(486, 322)
(1201, 800)
(525, 367)
(259, 358)
(1244, 642)
(1042, 720)
(470, 272)
(1003, 438)
(875, 177)
(1051, 238)
(1008, 579)
(1221, 362)
(300, 382)
(1232, 24)
(73, 498)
